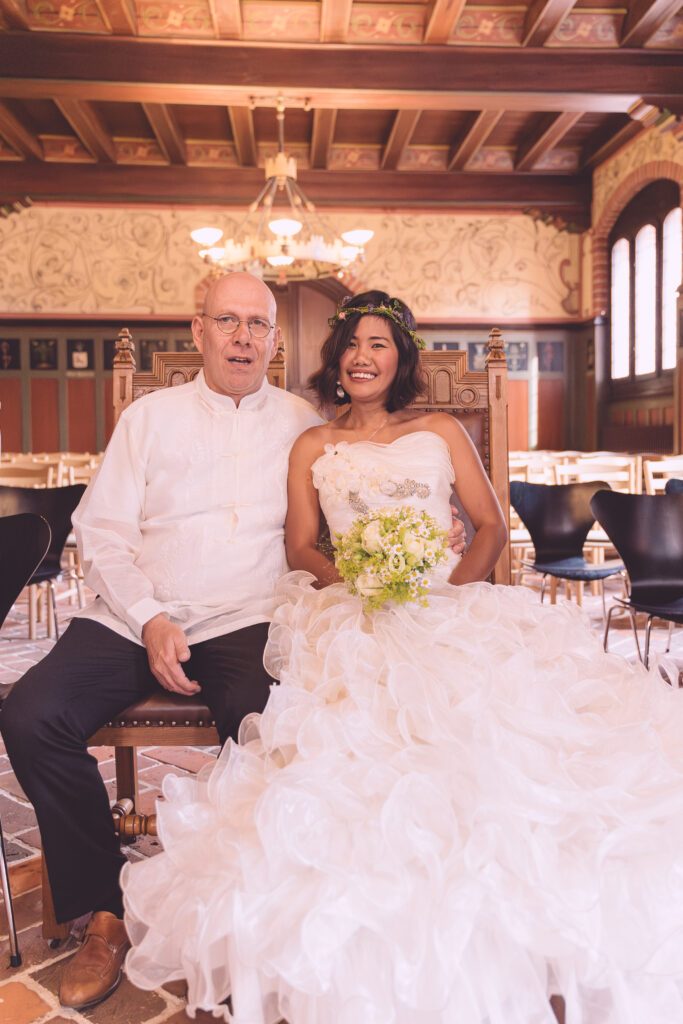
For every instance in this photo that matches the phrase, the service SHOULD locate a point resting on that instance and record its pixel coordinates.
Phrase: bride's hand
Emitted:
(456, 534)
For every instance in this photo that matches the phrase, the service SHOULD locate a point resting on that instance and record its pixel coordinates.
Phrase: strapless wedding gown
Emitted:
(444, 814)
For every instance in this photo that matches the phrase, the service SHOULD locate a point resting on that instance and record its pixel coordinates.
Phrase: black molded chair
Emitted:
(56, 505)
(647, 531)
(674, 486)
(559, 518)
(24, 540)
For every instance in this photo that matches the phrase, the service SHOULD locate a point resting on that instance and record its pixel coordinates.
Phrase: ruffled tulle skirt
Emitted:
(443, 816)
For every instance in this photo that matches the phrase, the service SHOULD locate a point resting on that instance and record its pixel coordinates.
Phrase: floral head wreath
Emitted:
(391, 310)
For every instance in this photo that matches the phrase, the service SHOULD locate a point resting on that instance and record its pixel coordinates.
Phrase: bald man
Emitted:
(181, 535)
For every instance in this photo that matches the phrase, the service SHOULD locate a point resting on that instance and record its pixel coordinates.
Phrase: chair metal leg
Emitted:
(32, 610)
(635, 634)
(545, 577)
(668, 639)
(648, 631)
(53, 606)
(608, 623)
(14, 954)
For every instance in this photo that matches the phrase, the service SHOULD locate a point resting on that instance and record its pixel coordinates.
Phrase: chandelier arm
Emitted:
(312, 213)
(292, 191)
(264, 208)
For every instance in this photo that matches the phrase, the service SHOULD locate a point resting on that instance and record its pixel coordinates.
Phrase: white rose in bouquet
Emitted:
(371, 538)
(414, 548)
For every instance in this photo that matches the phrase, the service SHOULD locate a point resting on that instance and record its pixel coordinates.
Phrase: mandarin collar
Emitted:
(224, 403)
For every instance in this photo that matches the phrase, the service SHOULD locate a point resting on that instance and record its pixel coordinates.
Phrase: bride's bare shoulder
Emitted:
(309, 445)
(439, 422)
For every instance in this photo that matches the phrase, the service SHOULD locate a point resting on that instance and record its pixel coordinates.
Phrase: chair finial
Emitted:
(125, 350)
(496, 347)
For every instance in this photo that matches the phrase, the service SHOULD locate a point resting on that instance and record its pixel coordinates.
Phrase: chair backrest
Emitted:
(657, 471)
(24, 540)
(54, 504)
(478, 398)
(673, 486)
(621, 472)
(33, 474)
(557, 516)
(647, 531)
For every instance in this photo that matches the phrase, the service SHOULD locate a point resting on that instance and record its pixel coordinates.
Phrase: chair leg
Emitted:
(553, 589)
(635, 634)
(605, 642)
(14, 954)
(126, 775)
(668, 639)
(52, 606)
(543, 581)
(648, 631)
(32, 610)
(52, 930)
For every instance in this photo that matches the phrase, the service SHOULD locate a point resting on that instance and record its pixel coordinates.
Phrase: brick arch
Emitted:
(654, 170)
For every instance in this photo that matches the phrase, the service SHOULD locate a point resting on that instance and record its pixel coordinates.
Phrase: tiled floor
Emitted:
(28, 993)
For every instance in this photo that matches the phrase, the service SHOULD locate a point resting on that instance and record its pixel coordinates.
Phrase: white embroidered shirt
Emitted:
(186, 513)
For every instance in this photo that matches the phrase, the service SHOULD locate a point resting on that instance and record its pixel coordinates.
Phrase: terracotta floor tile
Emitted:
(35, 952)
(9, 784)
(15, 816)
(157, 774)
(189, 758)
(27, 911)
(19, 1004)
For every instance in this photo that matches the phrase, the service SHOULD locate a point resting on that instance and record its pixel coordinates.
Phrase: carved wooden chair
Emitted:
(477, 398)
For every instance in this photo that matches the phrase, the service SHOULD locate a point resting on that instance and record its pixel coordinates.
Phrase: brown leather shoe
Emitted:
(95, 970)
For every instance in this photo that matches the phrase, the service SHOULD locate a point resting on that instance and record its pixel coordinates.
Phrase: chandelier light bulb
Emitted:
(280, 261)
(206, 236)
(358, 236)
(214, 253)
(285, 227)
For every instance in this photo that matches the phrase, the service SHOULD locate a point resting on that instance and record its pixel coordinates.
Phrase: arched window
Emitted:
(646, 270)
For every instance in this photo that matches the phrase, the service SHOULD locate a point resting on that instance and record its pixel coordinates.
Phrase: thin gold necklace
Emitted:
(375, 431)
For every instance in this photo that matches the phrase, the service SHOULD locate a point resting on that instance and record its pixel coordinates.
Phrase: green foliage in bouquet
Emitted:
(387, 554)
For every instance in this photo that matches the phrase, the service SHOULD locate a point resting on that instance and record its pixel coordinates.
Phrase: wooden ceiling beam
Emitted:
(644, 18)
(478, 131)
(18, 136)
(15, 15)
(167, 132)
(235, 187)
(146, 70)
(242, 122)
(401, 132)
(597, 151)
(89, 127)
(544, 139)
(542, 18)
(226, 16)
(324, 122)
(335, 18)
(442, 17)
(120, 15)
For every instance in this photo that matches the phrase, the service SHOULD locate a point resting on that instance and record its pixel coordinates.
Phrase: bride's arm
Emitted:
(479, 502)
(302, 525)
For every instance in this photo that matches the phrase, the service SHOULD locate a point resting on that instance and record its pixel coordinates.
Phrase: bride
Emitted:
(445, 814)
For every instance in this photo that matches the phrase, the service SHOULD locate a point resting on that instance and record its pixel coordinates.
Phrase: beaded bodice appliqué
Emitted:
(354, 478)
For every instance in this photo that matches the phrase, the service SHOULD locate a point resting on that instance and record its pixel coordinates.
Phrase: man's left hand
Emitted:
(456, 534)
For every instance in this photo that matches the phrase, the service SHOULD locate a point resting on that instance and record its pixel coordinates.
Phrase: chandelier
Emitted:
(282, 237)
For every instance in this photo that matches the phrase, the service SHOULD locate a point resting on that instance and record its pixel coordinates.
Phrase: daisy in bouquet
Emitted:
(387, 554)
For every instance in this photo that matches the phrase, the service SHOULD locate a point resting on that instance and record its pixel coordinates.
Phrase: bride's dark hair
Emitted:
(408, 382)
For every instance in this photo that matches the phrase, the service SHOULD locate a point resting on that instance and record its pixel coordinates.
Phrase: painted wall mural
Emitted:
(141, 261)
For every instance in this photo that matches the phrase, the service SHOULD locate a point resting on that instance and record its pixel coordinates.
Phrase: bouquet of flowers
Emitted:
(387, 554)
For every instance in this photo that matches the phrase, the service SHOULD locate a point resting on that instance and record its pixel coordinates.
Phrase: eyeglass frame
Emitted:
(229, 334)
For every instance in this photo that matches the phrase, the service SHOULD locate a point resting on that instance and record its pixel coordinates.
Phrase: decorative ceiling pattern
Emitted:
(423, 104)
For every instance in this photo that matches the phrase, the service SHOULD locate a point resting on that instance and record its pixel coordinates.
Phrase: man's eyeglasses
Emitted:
(228, 324)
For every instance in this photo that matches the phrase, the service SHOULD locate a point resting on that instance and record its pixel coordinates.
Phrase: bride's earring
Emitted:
(340, 390)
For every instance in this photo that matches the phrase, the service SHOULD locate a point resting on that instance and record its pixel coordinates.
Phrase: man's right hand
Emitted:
(167, 647)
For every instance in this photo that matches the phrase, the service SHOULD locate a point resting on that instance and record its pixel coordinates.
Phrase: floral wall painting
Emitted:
(43, 353)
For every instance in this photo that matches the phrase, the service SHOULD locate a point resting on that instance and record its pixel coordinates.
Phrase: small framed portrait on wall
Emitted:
(10, 354)
(43, 353)
(476, 355)
(80, 354)
(517, 353)
(185, 345)
(445, 346)
(550, 356)
(109, 351)
(146, 349)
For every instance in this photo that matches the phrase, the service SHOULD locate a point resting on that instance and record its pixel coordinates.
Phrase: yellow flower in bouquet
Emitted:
(387, 555)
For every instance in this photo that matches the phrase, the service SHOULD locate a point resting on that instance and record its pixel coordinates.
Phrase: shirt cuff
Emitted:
(142, 612)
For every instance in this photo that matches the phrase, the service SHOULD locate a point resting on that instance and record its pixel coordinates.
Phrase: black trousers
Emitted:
(89, 676)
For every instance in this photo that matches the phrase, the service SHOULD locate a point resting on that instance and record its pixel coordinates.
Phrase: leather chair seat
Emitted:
(164, 709)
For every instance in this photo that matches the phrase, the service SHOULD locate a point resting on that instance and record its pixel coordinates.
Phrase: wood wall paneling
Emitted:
(518, 414)
(551, 396)
(45, 415)
(81, 417)
(10, 414)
